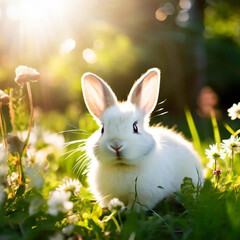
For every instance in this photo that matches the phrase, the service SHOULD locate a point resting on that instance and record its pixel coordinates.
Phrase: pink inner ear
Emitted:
(93, 93)
(149, 92)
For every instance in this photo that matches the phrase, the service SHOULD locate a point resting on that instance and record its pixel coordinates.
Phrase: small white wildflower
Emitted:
(68, 229)
(234, 111)
(231, 145)
(2, 194)
(116, 205)
(33, 136)
(26, 74)
(70, 185)
(41, 159)
(215, 153)
(56, 140)
(38, 158)
(13, 179)
(58, 202)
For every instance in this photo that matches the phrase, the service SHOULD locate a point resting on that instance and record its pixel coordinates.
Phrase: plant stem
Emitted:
(21, 173)
(20, 170)
(120, 219)
(11, 111)
(31, 116)
(232, 161)
(3, 127)
(218, 178)
(116, 223)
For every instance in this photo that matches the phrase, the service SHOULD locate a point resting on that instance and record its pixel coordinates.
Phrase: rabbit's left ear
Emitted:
(97, 94)
(144, 93)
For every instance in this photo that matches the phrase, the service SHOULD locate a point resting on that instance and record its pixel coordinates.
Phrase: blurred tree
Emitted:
(193, 42)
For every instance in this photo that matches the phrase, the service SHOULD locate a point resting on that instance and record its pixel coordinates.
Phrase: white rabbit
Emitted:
(126, 148)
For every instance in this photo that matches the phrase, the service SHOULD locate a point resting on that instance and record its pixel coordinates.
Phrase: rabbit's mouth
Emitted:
(122, 164)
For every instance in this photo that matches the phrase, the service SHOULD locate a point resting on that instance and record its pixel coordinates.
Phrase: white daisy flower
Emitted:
(215, 153)
(38, 158)
(234, 111)
(116, 205)
(231, 145)
(70, 185)
(58, 202)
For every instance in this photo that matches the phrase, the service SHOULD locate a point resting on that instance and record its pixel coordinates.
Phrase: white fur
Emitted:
(156, 156)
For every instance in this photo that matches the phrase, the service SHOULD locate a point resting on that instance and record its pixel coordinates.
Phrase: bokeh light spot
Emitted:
(185, 4)
(89, 56)
(67, 46)
(161, 14)
(169, 9)
(182, 17)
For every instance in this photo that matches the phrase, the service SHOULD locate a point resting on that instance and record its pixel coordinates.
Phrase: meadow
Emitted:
(40, 197)
(44, 123)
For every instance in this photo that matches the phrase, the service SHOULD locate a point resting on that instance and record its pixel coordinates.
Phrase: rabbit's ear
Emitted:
(144, 92)
(98, 96)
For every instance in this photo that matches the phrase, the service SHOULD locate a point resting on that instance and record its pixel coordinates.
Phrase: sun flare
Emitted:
(35, 11)
(36, 23)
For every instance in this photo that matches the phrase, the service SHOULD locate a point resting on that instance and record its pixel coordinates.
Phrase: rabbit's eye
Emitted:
(135, 128)
(102, 130)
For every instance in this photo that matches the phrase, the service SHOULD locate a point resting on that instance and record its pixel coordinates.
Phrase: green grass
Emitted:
(210, 212)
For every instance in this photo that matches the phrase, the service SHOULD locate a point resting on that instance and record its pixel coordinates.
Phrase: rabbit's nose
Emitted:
(116, 148)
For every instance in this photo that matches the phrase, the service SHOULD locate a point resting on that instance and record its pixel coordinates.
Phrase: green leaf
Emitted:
(229, 128)
(193, 130)
(97, 210)
(20, 190)
(187, 187)
(215, 128)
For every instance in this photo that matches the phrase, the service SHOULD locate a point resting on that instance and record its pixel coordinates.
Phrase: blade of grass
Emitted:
(237, 132)
(116, 223)
(216, 133)
(193, 130)
(229, 128)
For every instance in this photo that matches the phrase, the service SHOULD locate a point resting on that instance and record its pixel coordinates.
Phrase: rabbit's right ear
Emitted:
(144, 93)
(98, 96)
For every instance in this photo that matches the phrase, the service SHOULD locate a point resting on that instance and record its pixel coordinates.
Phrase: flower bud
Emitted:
(4, 98)
(217, 172)
(26, 74)
(14, 144)
(116, 205)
